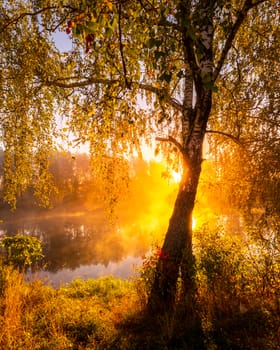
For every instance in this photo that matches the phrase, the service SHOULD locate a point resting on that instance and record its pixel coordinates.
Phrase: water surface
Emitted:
(78, 244)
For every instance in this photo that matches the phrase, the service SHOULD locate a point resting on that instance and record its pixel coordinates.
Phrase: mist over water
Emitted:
(79, 240)
(78, 244)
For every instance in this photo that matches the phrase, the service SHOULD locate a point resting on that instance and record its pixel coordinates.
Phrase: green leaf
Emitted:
(159, 54)
(92, 26)
(152, 42)
(78, 30)
(166, 77)
(108, 32)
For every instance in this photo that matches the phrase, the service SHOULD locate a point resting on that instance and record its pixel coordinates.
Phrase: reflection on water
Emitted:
(78, 245)
(121, 269)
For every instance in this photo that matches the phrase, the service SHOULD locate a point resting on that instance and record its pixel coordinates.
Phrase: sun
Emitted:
(176, 176)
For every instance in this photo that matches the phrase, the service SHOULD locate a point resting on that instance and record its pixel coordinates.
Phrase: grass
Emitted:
(83, 315)
(238, 308)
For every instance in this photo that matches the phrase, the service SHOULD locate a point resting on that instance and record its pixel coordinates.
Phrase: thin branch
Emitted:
(22, 15)
(64, 82)
(59, 24)
(239, 20)
(233, 138)
(256, 3)
(127, 83)
(172, 140)
(170, 100)
(25, 14)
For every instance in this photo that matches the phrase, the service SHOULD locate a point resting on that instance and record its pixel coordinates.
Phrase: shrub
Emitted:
(21, 251)
(237, 287)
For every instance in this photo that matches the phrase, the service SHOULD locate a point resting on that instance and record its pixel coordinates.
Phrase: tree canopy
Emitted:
(123, 79)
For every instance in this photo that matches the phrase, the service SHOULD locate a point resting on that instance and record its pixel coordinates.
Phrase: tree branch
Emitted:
(67, 84)
(172, 140)
(188, 42)
(127, 83)
(256, 3)
(25, 14)
(239, 20)
(233, 138)
(170, 100)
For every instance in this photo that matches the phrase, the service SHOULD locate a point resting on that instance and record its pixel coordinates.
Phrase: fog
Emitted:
(87, 242)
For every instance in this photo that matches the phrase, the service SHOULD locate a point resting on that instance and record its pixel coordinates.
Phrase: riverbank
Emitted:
(82, 315)
(109, 313)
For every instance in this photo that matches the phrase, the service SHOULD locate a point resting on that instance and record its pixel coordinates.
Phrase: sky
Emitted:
(63, 41)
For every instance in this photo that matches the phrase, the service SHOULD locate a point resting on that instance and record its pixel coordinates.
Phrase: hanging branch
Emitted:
(248, 5)
(233, 138)
(127, 83)
(172, 140)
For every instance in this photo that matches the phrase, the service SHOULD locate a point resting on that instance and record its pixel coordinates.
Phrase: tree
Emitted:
(27, 107)
(145, 68)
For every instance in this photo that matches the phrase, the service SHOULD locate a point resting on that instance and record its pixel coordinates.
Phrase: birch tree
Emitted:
(141, 70)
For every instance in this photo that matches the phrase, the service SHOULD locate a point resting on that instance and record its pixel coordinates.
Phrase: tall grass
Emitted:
(83, 315)
(12, 291)
(238, 304)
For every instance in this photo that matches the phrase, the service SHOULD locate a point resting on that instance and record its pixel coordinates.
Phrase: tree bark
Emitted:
(177, 258)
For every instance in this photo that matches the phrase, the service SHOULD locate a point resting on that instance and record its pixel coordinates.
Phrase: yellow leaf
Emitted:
(91, 113)
(110, 5)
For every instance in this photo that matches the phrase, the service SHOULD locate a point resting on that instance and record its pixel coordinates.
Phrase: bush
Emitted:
(239, 303)
(21, 251)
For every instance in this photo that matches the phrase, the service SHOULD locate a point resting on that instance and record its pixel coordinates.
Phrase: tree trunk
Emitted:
(177, 258)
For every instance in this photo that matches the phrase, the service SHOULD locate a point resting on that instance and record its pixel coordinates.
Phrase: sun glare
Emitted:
(176, 176)
(193, 223)
(148, 153)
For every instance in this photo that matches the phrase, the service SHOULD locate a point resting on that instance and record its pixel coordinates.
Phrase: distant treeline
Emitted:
(71, 176)
(249, 186)
(77, 183)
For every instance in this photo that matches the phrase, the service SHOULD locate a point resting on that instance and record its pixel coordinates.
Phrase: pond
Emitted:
(78, 244)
